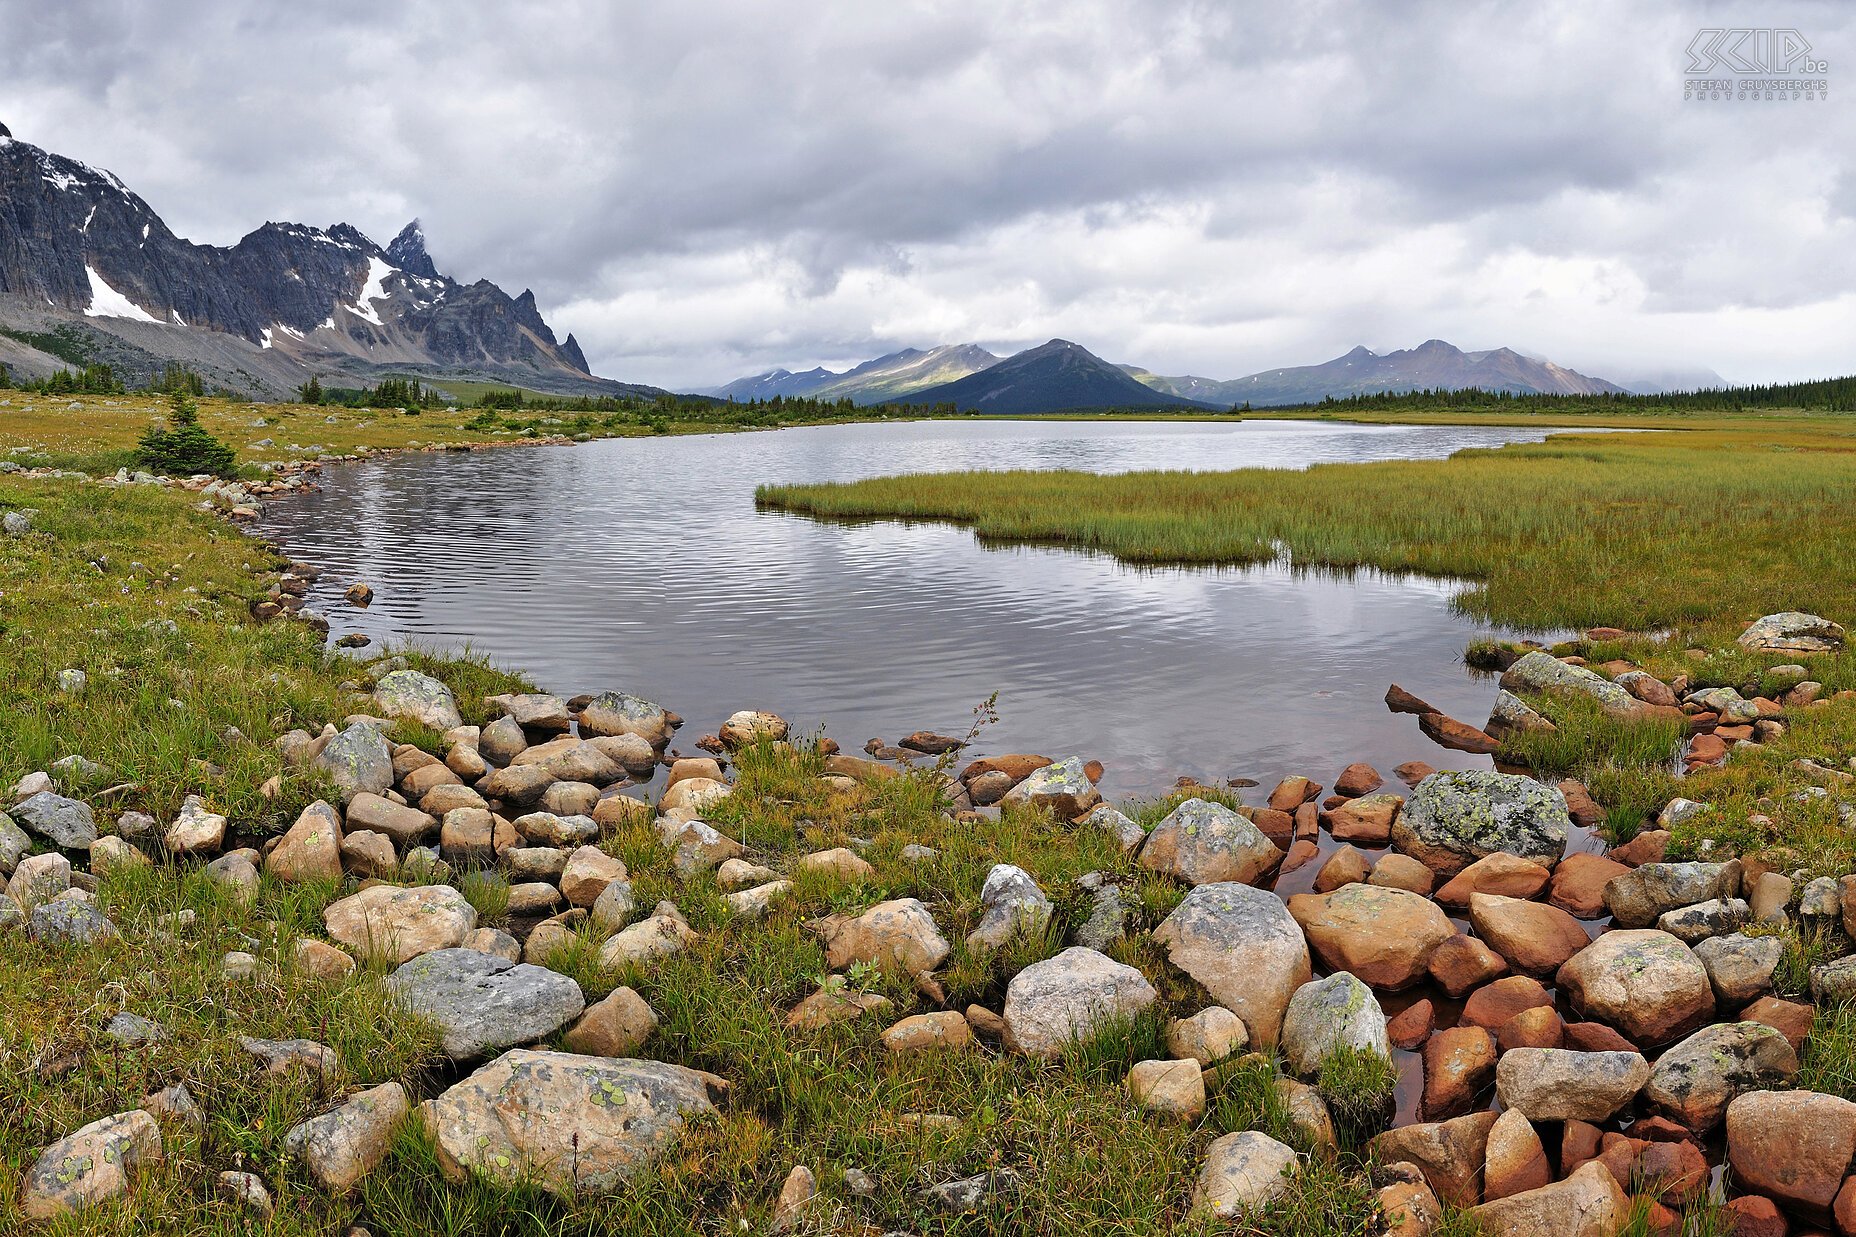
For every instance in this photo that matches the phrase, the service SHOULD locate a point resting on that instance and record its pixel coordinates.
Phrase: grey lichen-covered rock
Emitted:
(343, 1146)
(1243, 1171)
(416, 697)
(13, 844)
(1715, 917)
(617, 713)
(1205, 843)
(1728, 703)
(481, 1002)
(1013, 905)
(91, 1165)
(358, 760)
(1108, 917)
(1511, 714)
(1793, 632)
(65, 823)
(70, 921)
(1557, 1084)
(1543, 672)
(1740, 967)
(1834, 983)
(133, 1030)
(1327, 1014)
(1052, 1004)
(1242, 946)
(1063, 788)
(1456, 817)
(1695, 1081)
(573, 1124)
(1124, 830)
(1638, 897)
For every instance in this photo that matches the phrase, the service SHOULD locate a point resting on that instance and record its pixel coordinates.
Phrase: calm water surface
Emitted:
(641, 564)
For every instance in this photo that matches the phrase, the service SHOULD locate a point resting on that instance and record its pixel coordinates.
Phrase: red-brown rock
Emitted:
(1401, 701)
(1384, 937)
(1413, 771)
(1647, 847)
(1458, 736)
(1595, 1037)
(1292, 793)
(1578, 1143)
(1278, 827)
(1459, 1064)
(1505, 875)
(1410, 1028)
(1536, 939)
(1540, 1027)
(1753, 1216)
(1789, 1018)
(1794, 1146)
(1463, 963)
(1367, 820)
(1494, 1004)
(1578, 885)
(1515, 1160)
(1358, 779)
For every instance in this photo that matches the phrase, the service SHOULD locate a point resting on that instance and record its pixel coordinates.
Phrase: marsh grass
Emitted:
(1621, 529)
(1359, 1087)
(1829, 1060)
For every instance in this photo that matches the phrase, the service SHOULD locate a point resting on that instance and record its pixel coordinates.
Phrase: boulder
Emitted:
(1449, 1153)
(749, 725)
(69, 920)
(416, 697)
(1171, 1089)
(1695, 1081)
(617, 713)
(399, 924)
(482, 1003)
(1637, 898)
(1053, 1003)
(1715, 917)
(898, 935)
(1125, 831)
(1794, 1146)
(1205, 843)
(1579, 883)
(342, 1146)
(945, 1028)
(663, 933)
(1208, 1036)
(1543, 672)
(1242, 945)
(1331, 1013)
(1464, 963)
(1458, 1063)
(1062, 788)
(1243, 1171)
(1366, 819)
(358, 761)
(1532, 937)
(1457, 817)
(1646, 983)
(90, 1165)
(616, 1026)
(66, 823)
(1516, 1160)
(1740, 967)
(1555, 1084)
(574, 1124)
(534, 711)
(1792, 631)
(311, 849)
(1383, 936)
(1502, 874)
(1589, 1203)
(1012, 904)
(586, 874)
(38, 879)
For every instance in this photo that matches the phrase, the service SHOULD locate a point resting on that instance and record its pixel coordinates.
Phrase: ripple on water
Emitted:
(642, 564)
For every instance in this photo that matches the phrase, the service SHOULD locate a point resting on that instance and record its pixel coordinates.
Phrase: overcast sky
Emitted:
(707, 188)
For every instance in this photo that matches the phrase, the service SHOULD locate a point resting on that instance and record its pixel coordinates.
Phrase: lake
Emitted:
(641, 564)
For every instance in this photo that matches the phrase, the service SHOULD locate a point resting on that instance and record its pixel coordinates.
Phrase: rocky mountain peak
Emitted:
(407, 252)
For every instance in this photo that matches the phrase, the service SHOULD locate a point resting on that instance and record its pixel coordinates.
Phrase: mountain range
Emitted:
(1061, 375)
(88, 269)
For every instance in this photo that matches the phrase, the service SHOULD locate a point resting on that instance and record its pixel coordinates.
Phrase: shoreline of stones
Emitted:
(1672, 1049)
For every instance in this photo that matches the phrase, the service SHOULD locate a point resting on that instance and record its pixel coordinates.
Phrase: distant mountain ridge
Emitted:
(1433, 364)
(1052, 377)
(1060, 375)
(82, 253)
(873, 382)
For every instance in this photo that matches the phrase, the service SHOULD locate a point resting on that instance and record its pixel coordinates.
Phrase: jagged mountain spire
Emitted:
(407, 251)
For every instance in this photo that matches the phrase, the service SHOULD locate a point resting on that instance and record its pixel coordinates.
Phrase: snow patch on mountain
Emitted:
(107, 302)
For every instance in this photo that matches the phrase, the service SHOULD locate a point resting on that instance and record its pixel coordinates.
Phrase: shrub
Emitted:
(184, 448)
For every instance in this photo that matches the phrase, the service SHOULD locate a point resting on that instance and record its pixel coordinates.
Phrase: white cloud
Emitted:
(724, 185)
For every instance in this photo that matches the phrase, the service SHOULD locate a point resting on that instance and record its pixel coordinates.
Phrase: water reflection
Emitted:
(642, 564)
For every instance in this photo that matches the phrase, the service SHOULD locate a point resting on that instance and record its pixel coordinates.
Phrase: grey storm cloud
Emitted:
(717, 186)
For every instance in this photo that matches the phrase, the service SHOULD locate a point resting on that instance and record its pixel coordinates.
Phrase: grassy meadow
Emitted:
(1630, 530)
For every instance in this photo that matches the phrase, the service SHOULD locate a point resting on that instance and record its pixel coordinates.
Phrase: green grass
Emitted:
(1359, 1088)
(1829, 1061)
(1621, 529)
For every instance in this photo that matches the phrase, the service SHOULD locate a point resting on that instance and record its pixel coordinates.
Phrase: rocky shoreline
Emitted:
(1587, 1032)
